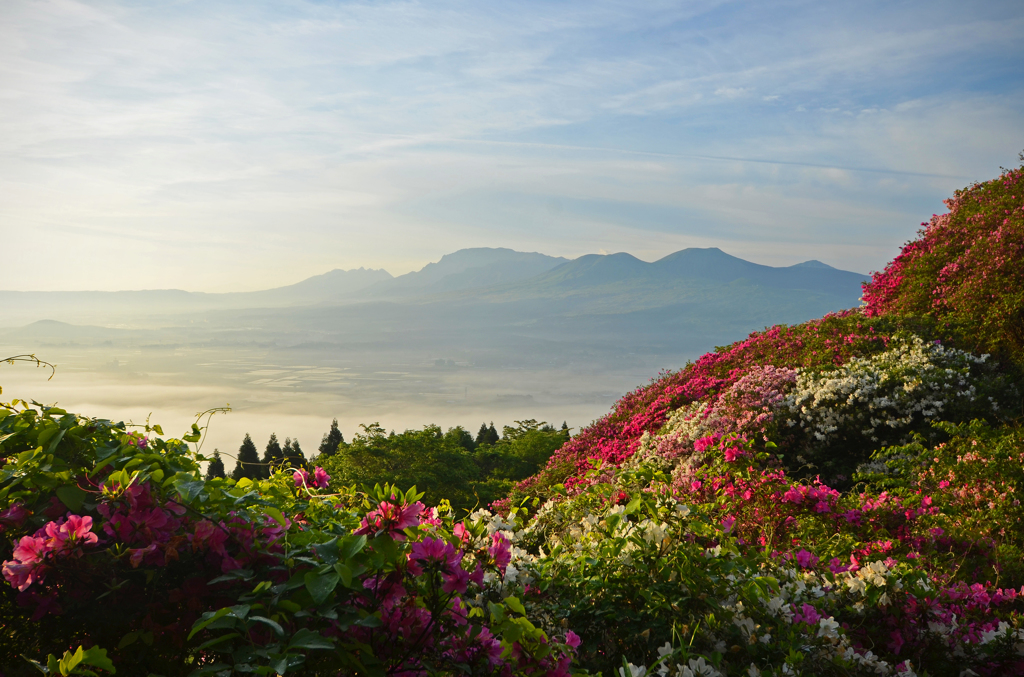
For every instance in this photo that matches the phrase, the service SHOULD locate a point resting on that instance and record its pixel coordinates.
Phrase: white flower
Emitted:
(827, 627)
(698, 667)
(634, 671)
(992, 635)
(665, 649)
(753, 671)
(765, 638)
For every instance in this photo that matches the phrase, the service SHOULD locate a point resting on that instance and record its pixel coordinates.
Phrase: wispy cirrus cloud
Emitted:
(200, 144)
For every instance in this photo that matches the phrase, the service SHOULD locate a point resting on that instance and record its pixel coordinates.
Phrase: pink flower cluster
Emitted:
(62, 538)
(321, 479)
(391, 519)
(745, 381)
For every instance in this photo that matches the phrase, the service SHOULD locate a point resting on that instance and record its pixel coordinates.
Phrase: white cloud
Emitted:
(198, 145)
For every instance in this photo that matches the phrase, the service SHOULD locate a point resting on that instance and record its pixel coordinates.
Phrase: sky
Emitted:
(230, 146)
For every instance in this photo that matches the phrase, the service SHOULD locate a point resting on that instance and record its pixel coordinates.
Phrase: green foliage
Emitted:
(216, 467)
(332, 438)
(247, 464)
(965, 269)
(131, 550)
(445, 465)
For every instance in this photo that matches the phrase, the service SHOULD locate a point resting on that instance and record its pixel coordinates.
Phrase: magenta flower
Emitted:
(301, 477)
(77, 530)
(438, 552)
(391, 519)
(728, 523)
(572, 640)
(14, 516)
(500, 550)
(321, 478)
(806, 559)
(456, 581)
(27, 566)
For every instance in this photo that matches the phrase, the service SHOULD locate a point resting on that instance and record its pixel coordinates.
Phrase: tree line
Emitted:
(466, 470)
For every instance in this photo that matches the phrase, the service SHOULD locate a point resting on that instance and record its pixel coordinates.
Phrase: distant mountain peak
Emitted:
(813, 263)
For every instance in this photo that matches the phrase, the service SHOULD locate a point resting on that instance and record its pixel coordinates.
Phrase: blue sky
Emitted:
(221, 146)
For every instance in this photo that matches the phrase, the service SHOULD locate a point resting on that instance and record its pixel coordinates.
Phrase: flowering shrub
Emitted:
(744, 571)
(965, 268)
(112, 539)
(836, 498)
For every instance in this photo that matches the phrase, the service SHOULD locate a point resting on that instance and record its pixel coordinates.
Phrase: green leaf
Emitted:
(345, 573)
(72, 497)
(276, 514)
(280, 666)
(128, 640)
(320, 586)
(97, 658)
(188, 486)
(633, 505)
(71, 660)
(266, 621)
(208, 618)
(514, 604)
(218, 640)
(307, 639)
(351, 546)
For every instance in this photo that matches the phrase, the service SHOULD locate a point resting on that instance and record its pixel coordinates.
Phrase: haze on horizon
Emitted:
(231, 146)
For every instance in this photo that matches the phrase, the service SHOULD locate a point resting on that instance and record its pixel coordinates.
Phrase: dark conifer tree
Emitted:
(248, 462)
(565, 430)
(216, 467)
(272, 456)
(331, 440)
(492, 434)
(481, 435)
(293, 456)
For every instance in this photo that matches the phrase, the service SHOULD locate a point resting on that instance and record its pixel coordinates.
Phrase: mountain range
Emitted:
(485, 275)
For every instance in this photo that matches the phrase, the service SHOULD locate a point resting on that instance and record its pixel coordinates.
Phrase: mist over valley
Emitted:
(481, 335)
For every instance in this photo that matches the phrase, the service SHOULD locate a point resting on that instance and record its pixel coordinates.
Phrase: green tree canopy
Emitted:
(272, 456)
(247, 463)
(216, 466)
(332, 438)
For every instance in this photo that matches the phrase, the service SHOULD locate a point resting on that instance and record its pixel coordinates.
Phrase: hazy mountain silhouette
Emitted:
(467, 269)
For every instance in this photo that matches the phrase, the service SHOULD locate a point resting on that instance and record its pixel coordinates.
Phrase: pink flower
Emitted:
(301, 477)
(728, 523)
(321, 478)
(462, 533)
(14, 516)
(806, 559)
(806, 614)
(27, 566)
(456, 581)
(705, 443)
(77, 530)
(836, 566)
(500, 550)
(572, 640)
(435, 551)
(31, 549)
(391, 519)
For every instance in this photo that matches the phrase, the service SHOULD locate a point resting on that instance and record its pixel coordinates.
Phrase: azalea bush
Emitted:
(743, 570)
(965, 268)
(113, 541)
(840, 497)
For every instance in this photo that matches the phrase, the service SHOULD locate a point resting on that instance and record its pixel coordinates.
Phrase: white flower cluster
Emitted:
(880, 396)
